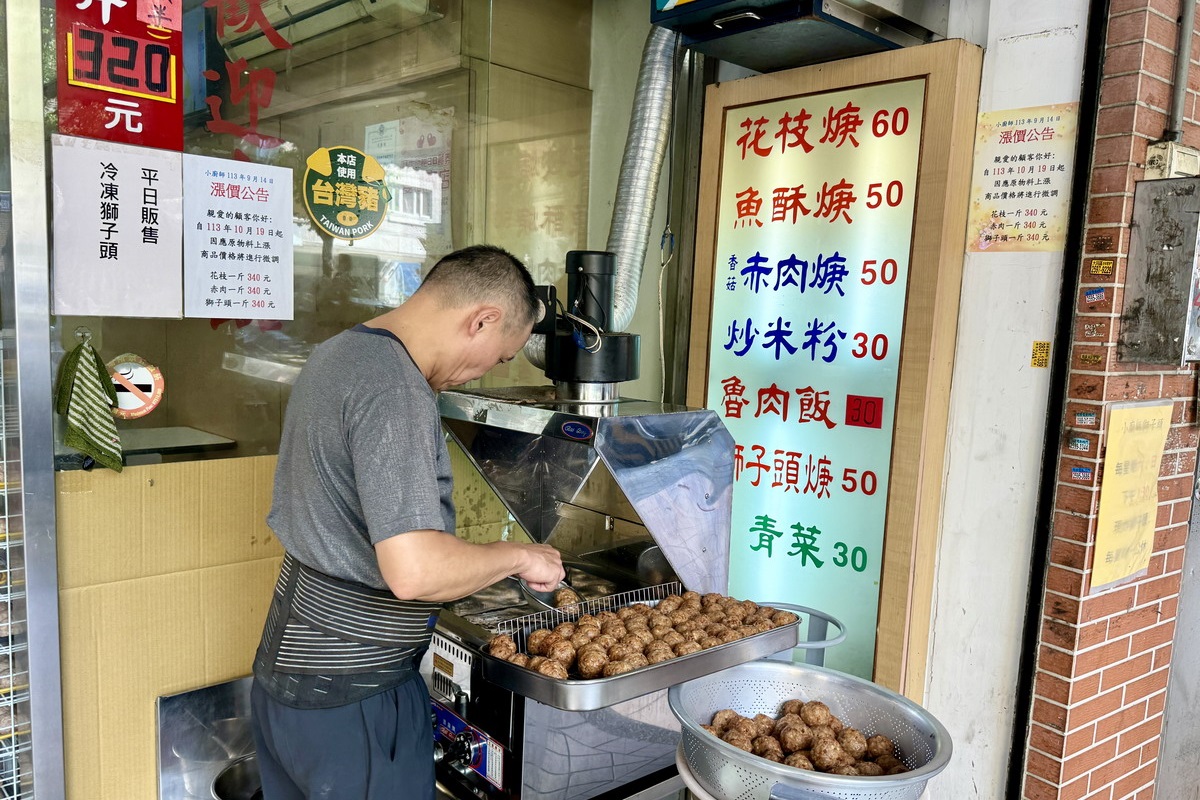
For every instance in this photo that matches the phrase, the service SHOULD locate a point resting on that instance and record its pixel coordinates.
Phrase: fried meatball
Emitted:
(764, 724)
(626, 613)
(823, 732)
(588, 619)
(638, 660)
(680, 616)
(827, 754)
(641, 635)
(767, 744)
(633, 642)
(563, 652)
(711, 599)
(584, 637)
(711, 729)
(791, 707)
(837, 726)
(796, 737)
(879, 745)
(691, 597)
(659, 631)
(536, 661)
(687, 648)
(868, 768)
(799, 761)
(657, 655)
(621, 651)
(673, 638)
(899, 769)
(815, 713)
(657, 619)
(697, 635)
(606, 616)
(520, 659)
(715, 629)
(502, 646)
(729, 636)
(591, 663)
(844, 770)
(617, 668)
(553, 669)
(787, 719)
(565, 597)
(614, 628)
(739, 740)
(534, 642)
(668, 604)
(549, 641)
(604, 640)
(710, 641)
(784, 618)
(724, 718)
(853, 742)
(888, 761)
(565, 629)
(641, 609)
(744, 726)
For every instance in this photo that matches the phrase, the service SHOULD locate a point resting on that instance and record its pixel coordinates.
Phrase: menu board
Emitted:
(815, 224)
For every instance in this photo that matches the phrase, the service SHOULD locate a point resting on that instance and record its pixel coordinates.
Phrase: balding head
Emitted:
(485, 274)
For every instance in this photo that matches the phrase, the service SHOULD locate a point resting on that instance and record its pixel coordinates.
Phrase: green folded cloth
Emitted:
(86, 395)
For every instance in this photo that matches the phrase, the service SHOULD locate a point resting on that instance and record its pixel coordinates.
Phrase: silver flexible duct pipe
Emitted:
(637, 186)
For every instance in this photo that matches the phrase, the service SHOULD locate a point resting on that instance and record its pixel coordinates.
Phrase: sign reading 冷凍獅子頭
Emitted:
(345, 192)
(815, 225)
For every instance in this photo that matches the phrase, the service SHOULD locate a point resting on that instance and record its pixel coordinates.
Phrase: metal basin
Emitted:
(239, 781)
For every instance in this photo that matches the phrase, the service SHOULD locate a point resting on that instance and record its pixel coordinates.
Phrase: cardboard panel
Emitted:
(166, 572)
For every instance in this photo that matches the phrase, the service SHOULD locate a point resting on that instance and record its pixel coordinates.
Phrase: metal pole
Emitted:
(1183, 62)
(30, 316)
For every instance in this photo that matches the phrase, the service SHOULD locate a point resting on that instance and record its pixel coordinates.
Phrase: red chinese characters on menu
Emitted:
(120, 78)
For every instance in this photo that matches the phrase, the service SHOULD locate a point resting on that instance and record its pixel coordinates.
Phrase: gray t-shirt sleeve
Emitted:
(393, 438)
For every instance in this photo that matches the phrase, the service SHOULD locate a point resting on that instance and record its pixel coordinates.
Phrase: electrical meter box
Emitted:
(1161, 320)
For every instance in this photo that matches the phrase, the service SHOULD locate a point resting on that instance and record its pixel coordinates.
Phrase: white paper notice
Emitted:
(118, 236)
(237, 240)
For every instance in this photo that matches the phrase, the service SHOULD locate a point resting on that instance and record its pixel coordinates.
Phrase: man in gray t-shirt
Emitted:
(362, 505)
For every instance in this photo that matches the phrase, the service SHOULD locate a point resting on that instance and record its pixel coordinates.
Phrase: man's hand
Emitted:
(436, 566)
(545, 570)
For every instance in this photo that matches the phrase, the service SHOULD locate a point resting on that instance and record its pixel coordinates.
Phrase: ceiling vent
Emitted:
(766, 35)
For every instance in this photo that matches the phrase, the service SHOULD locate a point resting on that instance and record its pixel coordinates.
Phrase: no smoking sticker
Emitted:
(139, 386)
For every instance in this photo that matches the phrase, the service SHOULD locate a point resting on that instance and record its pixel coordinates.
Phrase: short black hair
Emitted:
(486, 273)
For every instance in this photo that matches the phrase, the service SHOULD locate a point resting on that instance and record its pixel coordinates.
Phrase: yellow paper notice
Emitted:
(1021, 187)
(1137, 433)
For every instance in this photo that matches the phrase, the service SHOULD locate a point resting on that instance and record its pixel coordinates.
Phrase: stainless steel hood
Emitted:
(630, 489)
(766, 35)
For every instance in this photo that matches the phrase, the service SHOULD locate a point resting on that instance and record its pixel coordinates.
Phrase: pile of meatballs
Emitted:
(612, 643)
(808, 736)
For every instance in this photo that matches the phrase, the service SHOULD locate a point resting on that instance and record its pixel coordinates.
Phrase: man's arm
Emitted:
(438, 567)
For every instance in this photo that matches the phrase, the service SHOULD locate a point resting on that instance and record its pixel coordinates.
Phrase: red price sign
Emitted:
(115, 62)
(119, 78)
(864, 412)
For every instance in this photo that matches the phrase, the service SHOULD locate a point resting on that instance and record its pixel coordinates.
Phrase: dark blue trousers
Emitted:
(378, 749)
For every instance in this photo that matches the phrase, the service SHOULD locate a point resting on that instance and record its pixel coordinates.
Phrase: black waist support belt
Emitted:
(320, 625)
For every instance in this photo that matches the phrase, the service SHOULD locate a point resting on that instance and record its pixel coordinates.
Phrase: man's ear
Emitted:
(484, 315)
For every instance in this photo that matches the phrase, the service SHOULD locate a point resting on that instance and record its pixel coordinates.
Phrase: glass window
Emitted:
(482, 134)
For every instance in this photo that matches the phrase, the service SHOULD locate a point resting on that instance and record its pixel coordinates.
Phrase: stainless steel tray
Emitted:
(588, 695)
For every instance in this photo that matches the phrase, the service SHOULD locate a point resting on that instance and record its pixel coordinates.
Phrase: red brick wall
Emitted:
(1103, 661)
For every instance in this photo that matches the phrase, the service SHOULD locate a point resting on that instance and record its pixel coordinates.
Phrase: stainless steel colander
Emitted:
(760, 687)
